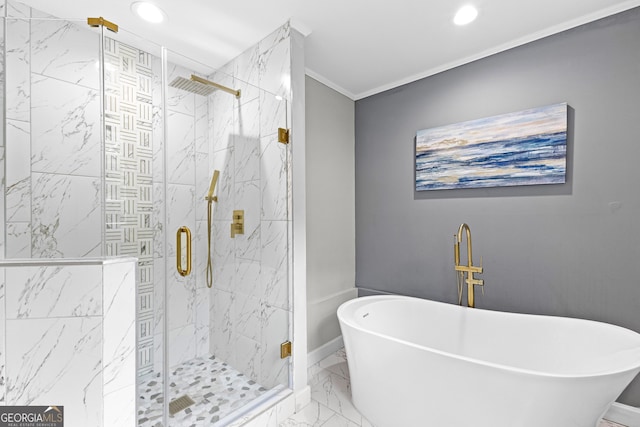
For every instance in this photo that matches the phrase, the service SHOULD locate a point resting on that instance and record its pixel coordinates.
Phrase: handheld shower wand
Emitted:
(210, 198)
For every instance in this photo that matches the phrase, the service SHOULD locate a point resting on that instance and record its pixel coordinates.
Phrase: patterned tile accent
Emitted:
(128, 175)
(217, 388)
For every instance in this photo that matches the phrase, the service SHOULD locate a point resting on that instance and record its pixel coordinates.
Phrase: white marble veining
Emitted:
(18, 171)
(65, 128)
(18, 70)
(274, 272)
(203, 321)
(56, 360)
(18, 240)
(70, 337)
(70, 291)
(180, 148)
(202, 124)
(273, 161)
(66, 216)
(222, 334)
(273, 114)
(275, 71)
(65, 50)
(246, 69)
(247, 120)
(247, 158)
(119, 307)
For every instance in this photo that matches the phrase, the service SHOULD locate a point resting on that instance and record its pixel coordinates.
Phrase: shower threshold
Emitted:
(220, 393)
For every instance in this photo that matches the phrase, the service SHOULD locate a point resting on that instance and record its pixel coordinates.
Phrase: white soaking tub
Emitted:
(418, 363)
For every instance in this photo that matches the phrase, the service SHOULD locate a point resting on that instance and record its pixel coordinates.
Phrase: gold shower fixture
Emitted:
(201, 86)
(210, 198)
(212, 187)
(101, 22)
(184, 230)
(237, 226)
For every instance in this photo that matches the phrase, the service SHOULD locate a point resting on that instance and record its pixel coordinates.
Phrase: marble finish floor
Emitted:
(217, 389)
(331, 398)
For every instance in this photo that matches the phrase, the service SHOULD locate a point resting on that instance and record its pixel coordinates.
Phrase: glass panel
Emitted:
(224, 340)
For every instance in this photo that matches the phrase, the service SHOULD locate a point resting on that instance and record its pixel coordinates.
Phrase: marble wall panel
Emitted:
(66, 216)
(222, 335)
(119, 302)
(246, 70)
(70, 291)
(274, 259)
(275, 71)
(203, 321)
(224, 259)
(181, 344)
(247, 158)
(18, 69)
(273, 114)
(56, 360)
(18, 240)
(18, 171)
(181, 159)
(65, 128)
(274, 179)
(65, 50)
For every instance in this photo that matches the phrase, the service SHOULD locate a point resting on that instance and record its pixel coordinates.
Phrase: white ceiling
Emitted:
(358, 47)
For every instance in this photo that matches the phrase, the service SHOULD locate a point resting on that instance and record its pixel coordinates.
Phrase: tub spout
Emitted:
(470, 269)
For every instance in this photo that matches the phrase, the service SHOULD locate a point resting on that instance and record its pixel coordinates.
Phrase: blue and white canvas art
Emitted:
(523, 148)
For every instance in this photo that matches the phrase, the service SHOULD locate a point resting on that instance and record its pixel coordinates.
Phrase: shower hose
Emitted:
(209, 264)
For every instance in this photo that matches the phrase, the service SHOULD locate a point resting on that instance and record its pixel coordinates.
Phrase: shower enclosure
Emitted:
(105, 156)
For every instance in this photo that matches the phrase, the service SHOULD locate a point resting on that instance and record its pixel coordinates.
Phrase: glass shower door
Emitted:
(224, 330)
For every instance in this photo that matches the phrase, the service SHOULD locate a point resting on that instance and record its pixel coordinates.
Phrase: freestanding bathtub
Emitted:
(420, 363)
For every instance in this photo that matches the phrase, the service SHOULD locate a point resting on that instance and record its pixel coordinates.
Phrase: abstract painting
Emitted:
(523, 148)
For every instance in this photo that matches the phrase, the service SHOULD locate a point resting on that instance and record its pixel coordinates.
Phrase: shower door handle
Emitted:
(183, 271)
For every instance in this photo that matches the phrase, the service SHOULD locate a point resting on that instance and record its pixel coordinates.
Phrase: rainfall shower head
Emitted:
(200, 86)
(192, 86)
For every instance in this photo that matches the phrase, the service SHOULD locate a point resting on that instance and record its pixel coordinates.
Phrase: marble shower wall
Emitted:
(250, 303)
(187, 180)
(69, 329)
(53, 179)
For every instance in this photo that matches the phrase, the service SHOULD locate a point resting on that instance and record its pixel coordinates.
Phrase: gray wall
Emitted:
(330, 184)
(570, 249)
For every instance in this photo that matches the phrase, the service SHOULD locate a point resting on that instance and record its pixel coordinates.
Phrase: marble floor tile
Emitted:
(331, 398)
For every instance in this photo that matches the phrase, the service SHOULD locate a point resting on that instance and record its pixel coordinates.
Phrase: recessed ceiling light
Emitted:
(465, 15)
(148, 11)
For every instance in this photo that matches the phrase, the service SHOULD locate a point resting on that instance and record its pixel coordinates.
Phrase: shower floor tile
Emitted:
(217, 388)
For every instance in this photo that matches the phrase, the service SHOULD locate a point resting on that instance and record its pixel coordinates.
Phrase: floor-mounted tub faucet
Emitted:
(470, 269)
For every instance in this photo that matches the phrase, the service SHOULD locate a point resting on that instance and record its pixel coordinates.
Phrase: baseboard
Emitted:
(325, 350)
(303, 398)
(623, 414)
